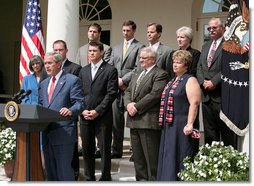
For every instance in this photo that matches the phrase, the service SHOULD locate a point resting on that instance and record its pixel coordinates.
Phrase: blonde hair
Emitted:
(185, 56)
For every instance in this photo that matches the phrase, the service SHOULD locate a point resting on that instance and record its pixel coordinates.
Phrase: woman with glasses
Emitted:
(32, 80)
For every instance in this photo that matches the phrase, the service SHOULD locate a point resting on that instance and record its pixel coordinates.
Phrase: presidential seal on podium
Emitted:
(11, 111)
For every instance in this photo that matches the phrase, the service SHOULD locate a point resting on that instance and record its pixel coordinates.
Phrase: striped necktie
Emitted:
(139, 80)
(211, 55)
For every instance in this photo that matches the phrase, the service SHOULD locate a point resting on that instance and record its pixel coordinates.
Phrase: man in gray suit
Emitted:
(142, 101)
(93, 34)
(154, 31)
(125, 58)
(209, 78)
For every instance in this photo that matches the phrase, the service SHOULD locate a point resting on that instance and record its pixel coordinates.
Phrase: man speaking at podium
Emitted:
(61, 92)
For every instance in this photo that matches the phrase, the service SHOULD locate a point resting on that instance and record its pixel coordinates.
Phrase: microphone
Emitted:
(18, 94)
(26, 93)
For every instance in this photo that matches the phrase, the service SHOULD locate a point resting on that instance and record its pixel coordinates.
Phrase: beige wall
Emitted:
(170, 13)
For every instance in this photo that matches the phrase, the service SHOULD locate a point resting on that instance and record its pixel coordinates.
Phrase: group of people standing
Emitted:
(159, 88)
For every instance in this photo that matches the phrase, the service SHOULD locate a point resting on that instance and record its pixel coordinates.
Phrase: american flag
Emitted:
(32, 42)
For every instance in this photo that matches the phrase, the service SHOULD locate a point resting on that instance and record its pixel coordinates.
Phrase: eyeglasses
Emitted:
(144, 58)
(212, 27)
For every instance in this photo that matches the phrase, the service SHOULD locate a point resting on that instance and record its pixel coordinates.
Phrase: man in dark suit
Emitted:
(209, 77)
(125, 58)
(154, 31)
(93, 34)
(60, 47)
(82, 58)
(61, 92)
(142, 101)
(99, 81)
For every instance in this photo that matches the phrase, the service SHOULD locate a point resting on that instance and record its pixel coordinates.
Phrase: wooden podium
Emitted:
(30, 121)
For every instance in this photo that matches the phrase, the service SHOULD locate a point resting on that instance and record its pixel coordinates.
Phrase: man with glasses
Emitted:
(209, 77)
(142, 102)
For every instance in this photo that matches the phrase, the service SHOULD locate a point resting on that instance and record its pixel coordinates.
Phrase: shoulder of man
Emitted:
(160, 71)
(166, 47)
(69, 76)
(138, 43)
(83, 46)
(105, 46)
(73, 64)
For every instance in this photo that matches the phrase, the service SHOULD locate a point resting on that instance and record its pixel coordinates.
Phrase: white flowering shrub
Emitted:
(7, 145)
(216, 163)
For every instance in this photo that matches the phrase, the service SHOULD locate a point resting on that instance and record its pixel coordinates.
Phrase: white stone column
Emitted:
(63, 23)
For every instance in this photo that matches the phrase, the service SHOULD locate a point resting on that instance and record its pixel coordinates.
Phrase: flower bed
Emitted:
(7, 145)
(216, 163)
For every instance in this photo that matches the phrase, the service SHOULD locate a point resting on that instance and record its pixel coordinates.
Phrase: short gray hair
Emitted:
(187, 31)
(56, 56)
(151, 52)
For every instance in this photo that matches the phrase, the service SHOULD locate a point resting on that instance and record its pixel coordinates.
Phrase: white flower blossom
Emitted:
(7, 145)
(216, 163)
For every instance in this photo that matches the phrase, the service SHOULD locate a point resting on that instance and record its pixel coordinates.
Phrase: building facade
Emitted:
(69, 20)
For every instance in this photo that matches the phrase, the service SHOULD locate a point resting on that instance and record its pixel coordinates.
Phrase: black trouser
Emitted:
(103, 132)
(214, 128)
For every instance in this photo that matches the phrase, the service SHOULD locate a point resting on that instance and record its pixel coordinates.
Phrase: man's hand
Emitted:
(65, 112)
(121, 84)
(131, 109)
(208, 85)
(90, 114)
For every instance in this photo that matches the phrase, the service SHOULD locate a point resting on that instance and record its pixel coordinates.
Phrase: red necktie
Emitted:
(51, 88)
(211, 55)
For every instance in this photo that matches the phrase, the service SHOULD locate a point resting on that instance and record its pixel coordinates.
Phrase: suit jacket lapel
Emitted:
(66, 65)
(135, 78)
(131, 47)
(45, 92)
(206, 50)
(99, 71)
(89, 72)
(146, 78)
(216, 54)
(58, 87)
(159, 52)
